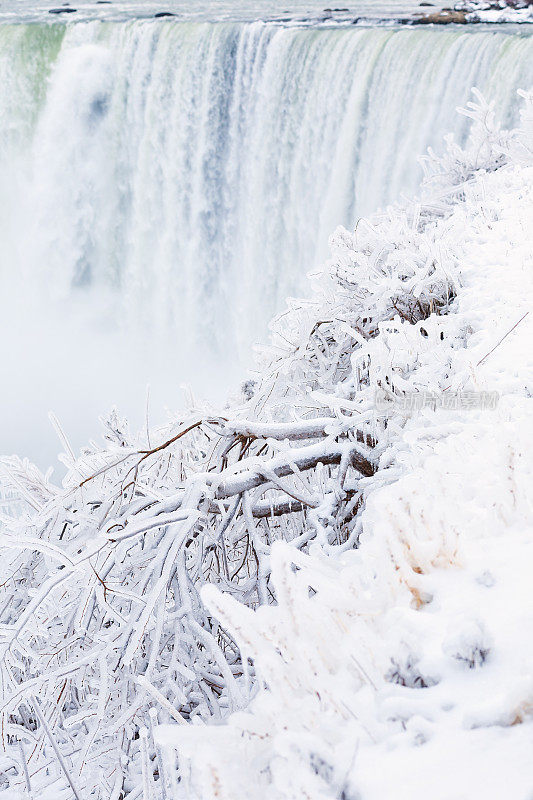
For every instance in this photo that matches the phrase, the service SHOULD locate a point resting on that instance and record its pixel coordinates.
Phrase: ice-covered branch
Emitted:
(102, 612)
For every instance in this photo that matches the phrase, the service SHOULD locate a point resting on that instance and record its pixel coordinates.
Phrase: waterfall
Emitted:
(165, 186)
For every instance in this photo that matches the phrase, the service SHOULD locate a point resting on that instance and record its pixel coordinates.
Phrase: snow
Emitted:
(408, 674)
(498, 16)
(396, 658)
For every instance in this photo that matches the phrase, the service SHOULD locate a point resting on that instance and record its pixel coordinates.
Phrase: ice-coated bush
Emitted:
(107, 627)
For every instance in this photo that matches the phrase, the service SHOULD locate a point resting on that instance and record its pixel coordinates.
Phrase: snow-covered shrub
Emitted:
(486, 151)
(521, 145)
(402, 669)
(105, 630)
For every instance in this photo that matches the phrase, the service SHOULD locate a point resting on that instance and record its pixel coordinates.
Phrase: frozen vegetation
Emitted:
(321, 591)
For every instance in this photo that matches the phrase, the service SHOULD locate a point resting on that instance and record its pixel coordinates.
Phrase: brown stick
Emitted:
(243, 482)
(264, 508)
(146, 453)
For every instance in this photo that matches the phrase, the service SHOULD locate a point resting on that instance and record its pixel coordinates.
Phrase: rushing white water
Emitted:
(165, 186)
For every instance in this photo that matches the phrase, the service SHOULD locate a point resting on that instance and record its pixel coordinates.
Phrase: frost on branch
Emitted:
(105, 626)
(486, 151)
(401, 668)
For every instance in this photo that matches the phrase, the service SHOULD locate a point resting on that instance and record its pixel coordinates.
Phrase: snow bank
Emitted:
(497, 11)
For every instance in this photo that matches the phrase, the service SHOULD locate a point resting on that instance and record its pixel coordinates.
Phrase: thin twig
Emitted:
(57, 751)
(501, 340)
(26, 773)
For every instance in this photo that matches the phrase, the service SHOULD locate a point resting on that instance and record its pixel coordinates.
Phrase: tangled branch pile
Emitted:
(104, 629)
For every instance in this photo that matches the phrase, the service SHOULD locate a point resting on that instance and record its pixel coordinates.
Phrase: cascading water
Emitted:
(165, 186)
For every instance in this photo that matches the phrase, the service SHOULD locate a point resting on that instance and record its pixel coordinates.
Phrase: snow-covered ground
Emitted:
(374, 480)
(498, 11)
